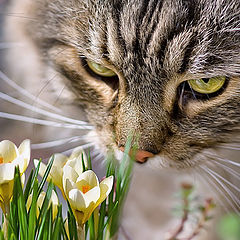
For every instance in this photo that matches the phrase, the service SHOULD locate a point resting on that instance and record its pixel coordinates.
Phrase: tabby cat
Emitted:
(165, 70)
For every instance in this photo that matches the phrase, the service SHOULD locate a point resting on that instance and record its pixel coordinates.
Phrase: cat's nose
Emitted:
(141, 155)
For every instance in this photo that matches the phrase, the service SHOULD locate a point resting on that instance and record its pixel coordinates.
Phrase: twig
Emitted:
(204, 217)
(186, 190)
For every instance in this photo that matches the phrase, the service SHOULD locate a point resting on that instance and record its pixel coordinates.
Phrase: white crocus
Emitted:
(84, 191)
(56, 172)
(53, 201)
(10, 157)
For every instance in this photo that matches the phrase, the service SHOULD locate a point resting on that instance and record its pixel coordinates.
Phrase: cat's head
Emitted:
(166, 70)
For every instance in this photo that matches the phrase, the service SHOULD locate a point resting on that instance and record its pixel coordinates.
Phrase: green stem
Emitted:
(5, 223)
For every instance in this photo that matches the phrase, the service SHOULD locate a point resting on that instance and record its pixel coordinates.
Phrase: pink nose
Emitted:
(141, 155)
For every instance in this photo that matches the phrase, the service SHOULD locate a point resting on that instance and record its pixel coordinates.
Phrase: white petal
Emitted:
(76, 164)
(42, 168)
(70, 173)
(76, 159)
(40, 199)
(105, 188)
(23, 179)
(24, 154)
(54, 198)
(54, 201)
(6, 172)
(56, 175)
(59, 160)
(8, 151)
(78, 152)
(92, 195)
(68, 185)
(76, 199)
(90, 177)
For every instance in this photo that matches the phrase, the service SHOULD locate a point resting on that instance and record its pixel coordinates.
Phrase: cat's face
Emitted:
(154, 48)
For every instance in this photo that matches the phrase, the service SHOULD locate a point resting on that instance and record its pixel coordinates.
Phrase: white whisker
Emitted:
(84, 146)
(98, 157)
(6, 45)
(209, 183)
(26, 93)
(224, 160)
(228, 169)
(39, 110)
(236, 148)
(219, 176)
(214, 188)
(57, 143)
(94, 153)
(41, 122)
(219, 190)
(231, 195)
(18, 15)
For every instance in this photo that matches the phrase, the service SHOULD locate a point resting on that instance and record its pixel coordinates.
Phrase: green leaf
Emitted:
(102, 214)
(22, 212)
(32, 213)
(28, 186)
(50, 223)
(57, 229)
(44, 179)
(46, 200)
(1, 235)
(89, 161)
(91, 227)
(12, 237)
(71, 223)
(83, 164)
(41, 227)
(229, 227)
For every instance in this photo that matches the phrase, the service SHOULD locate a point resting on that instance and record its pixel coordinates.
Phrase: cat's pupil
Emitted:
(206, 80)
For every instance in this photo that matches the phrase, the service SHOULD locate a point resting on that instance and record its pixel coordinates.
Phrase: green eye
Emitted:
(100, 70)
(207, 85)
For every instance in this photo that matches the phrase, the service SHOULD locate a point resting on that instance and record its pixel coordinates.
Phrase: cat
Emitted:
(166, 70)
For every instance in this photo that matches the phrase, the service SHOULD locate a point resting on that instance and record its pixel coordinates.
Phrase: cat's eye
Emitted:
(207, 85)
(100, 70)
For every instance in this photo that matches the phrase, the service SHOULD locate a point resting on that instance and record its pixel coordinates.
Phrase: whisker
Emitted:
(230, 147)
(228, 169)
(7, 45)
(84, 146)
(39, 110)
(98, 157)
(230, 194)
(18, 15)
(214, 188)
(41, 122)
(225, 180)
(219, 190)
(57, 143)
(223, 159)
(26, 93)
(94, 153)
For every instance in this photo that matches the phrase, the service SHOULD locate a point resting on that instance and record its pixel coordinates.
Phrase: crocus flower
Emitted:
(10, 157)
(53, 201)
(56, 172)
(84, 191)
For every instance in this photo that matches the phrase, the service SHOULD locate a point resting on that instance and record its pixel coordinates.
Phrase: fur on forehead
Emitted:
(115, 29)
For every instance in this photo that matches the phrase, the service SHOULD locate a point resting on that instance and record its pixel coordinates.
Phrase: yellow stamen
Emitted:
(1, 160)
(85, 188)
